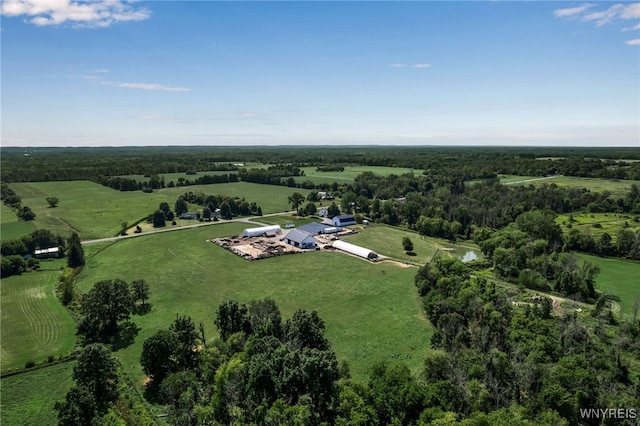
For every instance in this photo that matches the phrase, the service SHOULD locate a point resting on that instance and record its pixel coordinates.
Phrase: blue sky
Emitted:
(113, 73)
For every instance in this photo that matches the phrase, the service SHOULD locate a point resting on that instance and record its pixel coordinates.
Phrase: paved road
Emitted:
(251, 220)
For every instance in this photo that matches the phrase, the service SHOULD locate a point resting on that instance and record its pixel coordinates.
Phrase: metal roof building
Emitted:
(256, 232)
(313, 228)
(344, 220)
(302, 239)
(354, 249)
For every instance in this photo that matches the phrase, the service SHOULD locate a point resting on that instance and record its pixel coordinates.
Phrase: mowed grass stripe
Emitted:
(34, 323)
(372, 311)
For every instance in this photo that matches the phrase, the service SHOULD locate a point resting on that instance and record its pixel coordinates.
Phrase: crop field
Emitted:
(29, 398)
(96, 211)
(599, 223)
(615, 187)
(10, 226)
(350, 173)
(34, 323)
(387, 241)
(371, 311)
(619, 277)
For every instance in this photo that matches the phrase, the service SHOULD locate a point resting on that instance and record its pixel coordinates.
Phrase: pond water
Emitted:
(469, 256)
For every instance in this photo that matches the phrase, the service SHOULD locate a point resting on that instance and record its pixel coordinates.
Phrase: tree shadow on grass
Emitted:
(143, 309)
(151, 393)
(127, 333)
(411, 253)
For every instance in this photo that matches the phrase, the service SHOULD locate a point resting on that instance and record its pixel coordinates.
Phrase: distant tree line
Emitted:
(55, 164)
(11, 199)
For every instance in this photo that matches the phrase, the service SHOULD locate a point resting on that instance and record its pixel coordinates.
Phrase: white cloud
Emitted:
(146, 86)
(637, 27)
(412, 66)
(631, 12)
(79, 13)
(634, 42)
(605, 16)
(398, 65)
(572, 11)
(422, 66)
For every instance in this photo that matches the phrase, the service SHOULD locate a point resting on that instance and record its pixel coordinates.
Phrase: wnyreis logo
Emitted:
(609, 413)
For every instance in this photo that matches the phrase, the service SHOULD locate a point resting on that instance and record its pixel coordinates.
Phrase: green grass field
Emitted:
(610, 223)
(619, 277)
(349, 173)
(28, 399)
(95, 211)
(370, 314)
(615, 187)
(34, 323)
(10, 226)
(387, 241)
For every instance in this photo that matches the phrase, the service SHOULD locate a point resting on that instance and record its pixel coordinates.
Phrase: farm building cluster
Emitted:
(268, 241)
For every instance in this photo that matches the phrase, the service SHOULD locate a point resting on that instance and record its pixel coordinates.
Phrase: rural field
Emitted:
(387, 241)
(29, 398)
(599, 223)
(616, 187)
(618, 277)
(10, 226)
(350, 173)
(34, 323)
(371, 311)
(96, 211)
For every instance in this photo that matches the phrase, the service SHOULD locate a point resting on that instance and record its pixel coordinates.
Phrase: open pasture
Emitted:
(350, 173)
(619, 277)
(34, 323)
(387, 241)
(372, 311)
(29, 398)
(96, 211)
(617, 188)
(598, 223)
(10, 226)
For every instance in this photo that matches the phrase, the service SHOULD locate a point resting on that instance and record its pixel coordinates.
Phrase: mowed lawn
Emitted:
(372, 311)
(28, 399)
(96, 211)
(349, 174)
(10, 226)
(387, 241)
(34, 323)
(619, 277)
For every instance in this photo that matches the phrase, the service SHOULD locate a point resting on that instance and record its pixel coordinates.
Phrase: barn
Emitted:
(313, 228)
(344, 220)
(301, 239)
(46, 253)
(354, 249)
(263, 230)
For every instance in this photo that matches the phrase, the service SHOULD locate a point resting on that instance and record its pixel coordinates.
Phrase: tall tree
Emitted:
(97, 371)
(107, 303)
(140, 290)
(407, 244)
(53, 201)
(295, 200)
(158, 219)
(231, 318)
(78, 408)
(75, 255)
(158, 355)
(181, 206)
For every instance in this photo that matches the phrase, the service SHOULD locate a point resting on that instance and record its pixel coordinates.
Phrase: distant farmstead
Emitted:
(46, 253)
(344, 220)
(300, 239)
(263, 230)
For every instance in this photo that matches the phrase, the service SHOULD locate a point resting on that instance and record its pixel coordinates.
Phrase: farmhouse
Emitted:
(344, 220)
(46, 253)
(302, 239)
(263, 230)
(354, 249)
(323, 212)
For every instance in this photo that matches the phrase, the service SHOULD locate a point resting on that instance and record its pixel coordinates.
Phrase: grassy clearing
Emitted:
(619, 277)
(598, 223)
(350, 173)
(369, 314)
(615, 187)
(34, 323)
(95, 211)
(29, 398)
(387, 241)
(10, 226)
